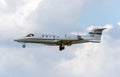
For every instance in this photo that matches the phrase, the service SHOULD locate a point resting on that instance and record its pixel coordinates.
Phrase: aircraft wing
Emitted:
(65, 42)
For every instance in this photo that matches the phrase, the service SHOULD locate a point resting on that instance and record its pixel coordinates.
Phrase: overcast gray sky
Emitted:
(20, 17)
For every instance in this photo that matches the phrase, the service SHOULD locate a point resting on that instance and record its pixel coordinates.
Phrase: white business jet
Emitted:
(93, 36)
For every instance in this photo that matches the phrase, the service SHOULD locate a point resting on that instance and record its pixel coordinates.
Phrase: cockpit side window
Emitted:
(30, 35)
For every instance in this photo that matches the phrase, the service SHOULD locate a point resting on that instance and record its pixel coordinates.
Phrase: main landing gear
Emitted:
(61, 47)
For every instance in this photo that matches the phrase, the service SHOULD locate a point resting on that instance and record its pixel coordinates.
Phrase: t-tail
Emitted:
(95, 35)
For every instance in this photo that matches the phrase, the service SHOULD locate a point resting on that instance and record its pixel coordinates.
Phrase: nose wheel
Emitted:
(23, 45)
(61, 47)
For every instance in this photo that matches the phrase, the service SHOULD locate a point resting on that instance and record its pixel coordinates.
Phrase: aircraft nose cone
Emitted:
(18, 40)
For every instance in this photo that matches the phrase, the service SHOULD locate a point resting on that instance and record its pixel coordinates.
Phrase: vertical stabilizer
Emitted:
(95, 35)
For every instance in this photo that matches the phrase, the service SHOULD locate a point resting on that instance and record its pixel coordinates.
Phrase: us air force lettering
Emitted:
(93, 36)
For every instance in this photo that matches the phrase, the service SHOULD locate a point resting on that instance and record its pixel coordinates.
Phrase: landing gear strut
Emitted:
(23, 45)
(61, 47)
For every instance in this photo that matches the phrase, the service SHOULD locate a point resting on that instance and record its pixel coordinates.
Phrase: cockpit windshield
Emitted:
(30, 35)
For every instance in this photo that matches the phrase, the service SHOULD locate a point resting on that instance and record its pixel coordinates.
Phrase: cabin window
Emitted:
(54, 37)
(43, 36)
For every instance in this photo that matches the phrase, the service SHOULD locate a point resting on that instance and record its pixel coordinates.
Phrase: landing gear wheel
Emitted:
(24, 46)
(61, 47)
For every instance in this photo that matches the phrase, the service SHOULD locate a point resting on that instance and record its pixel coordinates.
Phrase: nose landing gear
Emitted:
(23, 45)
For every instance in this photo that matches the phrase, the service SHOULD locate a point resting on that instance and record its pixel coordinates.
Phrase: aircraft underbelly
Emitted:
(43, 41)
(79, 41)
